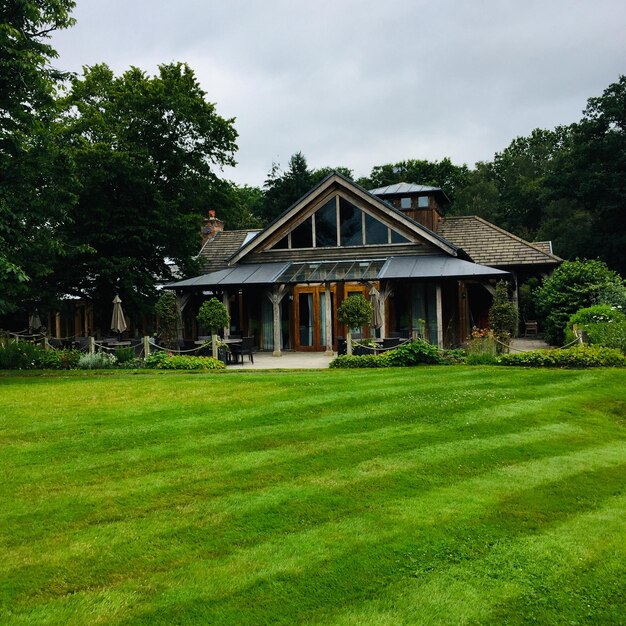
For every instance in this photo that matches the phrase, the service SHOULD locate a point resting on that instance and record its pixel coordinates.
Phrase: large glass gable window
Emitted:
(350, 224)
(326, 225)
(375, 232)
(302, 235)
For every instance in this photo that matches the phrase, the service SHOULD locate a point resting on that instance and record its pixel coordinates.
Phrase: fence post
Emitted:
(92, 345)
(146, 346)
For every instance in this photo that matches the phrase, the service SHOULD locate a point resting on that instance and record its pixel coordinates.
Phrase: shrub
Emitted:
(25, 356)
(414, 353)
(608, 335)
(579, 356)
(168, 318)
(594, 315)
(572, 286)
(213, 315)
(96, 361)
(124, 355)
(348, 361)
(167, 361)
(503, 314)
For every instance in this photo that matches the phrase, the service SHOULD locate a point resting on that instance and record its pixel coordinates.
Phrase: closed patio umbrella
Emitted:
(118, 323)
(377, 318)
(34, 322)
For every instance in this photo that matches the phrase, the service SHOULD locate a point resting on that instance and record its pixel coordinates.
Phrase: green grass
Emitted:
(421, 495)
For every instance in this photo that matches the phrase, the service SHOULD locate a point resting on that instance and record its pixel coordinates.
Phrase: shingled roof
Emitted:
(490, 245)
(216, 251)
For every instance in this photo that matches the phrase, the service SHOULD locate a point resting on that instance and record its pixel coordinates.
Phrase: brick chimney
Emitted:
(210, 227)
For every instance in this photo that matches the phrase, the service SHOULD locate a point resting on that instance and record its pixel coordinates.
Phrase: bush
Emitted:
(414, 353)
(572, 286)
(124, 355)
(608, 335)
(96, 361)
(27, 356)
(411, 353)
(348, 361)
(167, 361)
(168, 318)
(592, 316)
(579, 356)
(503, 318)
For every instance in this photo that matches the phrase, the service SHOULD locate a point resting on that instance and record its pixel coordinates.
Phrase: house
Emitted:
(430, 276)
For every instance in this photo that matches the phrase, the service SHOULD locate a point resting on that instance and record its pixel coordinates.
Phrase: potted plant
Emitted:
(213, 315)
(354, 312)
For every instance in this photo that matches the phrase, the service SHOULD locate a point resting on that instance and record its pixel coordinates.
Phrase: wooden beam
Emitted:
(328, 320)
(439, 316)
(226, 303)
(275, 297)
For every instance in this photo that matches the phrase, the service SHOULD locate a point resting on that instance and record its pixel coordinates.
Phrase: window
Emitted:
(422, 202)
(302, 235)
(326, 225)
(351, 226)
(281, 244)
(405, 203)
(398, 238)
(375, 231)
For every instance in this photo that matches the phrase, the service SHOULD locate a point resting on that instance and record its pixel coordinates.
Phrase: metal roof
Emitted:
(403, 188)
(434, 266)
(420, 266)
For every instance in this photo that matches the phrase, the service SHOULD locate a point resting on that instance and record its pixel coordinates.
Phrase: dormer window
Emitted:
(405, 203)
(422, 202)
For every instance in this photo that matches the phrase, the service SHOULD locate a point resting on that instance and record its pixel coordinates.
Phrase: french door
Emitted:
(310, 317)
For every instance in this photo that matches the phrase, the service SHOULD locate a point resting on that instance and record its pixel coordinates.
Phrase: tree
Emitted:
(354, 312)
(35, 184)
(572, 286)
(168, 318)
(282, 189)
(145, 149)
(213, 315)
(503, 318)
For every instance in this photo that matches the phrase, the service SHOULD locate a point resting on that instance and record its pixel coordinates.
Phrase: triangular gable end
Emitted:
(363, 219)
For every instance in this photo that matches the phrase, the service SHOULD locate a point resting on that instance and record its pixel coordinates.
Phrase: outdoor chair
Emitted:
(531, 328)
(245, 347)
(391, 342)
(342, 347)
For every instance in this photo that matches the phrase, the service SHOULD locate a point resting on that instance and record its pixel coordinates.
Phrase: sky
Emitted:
(359, 84)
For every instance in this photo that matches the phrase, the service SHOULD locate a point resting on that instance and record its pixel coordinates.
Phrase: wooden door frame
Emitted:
(315, 290)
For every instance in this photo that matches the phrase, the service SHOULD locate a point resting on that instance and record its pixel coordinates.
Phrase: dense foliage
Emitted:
(167, 361)
(412, 353)
(213, 315)
(355, 311)
(572, 286)
(578, 356)
(168, 318)
(503, 318)
(24, 355)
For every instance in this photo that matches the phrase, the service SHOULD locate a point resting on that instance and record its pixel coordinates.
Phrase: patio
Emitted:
(289, 360)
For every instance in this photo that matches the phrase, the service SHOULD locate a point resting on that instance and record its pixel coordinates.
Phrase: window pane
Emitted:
(326, 225)
(302, 236)
(281, 244)
(375, 231)
(422, 202)
(351, 225)
(398, 238)
(405, 203)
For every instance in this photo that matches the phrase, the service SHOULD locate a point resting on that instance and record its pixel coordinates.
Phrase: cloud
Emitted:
(359, 84)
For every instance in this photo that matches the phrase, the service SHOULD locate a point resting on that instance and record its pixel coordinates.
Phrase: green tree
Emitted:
(572, 286)
(503, 318)
(168, 318)
(213, 315)
(282, 189)
(35, 181)
(145, 149)
(354, 312)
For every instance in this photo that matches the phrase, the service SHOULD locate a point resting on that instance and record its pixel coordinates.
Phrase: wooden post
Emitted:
(226, 303)
(146, 346)
(329, 320)
(439, 317)
(275, 297)
(214, 344)
(349, 341)
(92, 345)
(515, 298)
(57, 324)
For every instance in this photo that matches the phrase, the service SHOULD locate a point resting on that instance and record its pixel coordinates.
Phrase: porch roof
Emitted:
(417, 266)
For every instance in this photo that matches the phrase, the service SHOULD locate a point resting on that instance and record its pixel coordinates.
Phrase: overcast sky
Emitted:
(365, 83)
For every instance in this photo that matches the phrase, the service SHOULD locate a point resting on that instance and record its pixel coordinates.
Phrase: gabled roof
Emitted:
(216, 251)
(343, 183)
(488, 244)
(400, 188)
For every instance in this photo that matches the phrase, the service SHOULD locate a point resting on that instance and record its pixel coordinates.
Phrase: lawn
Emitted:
(411, 496)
